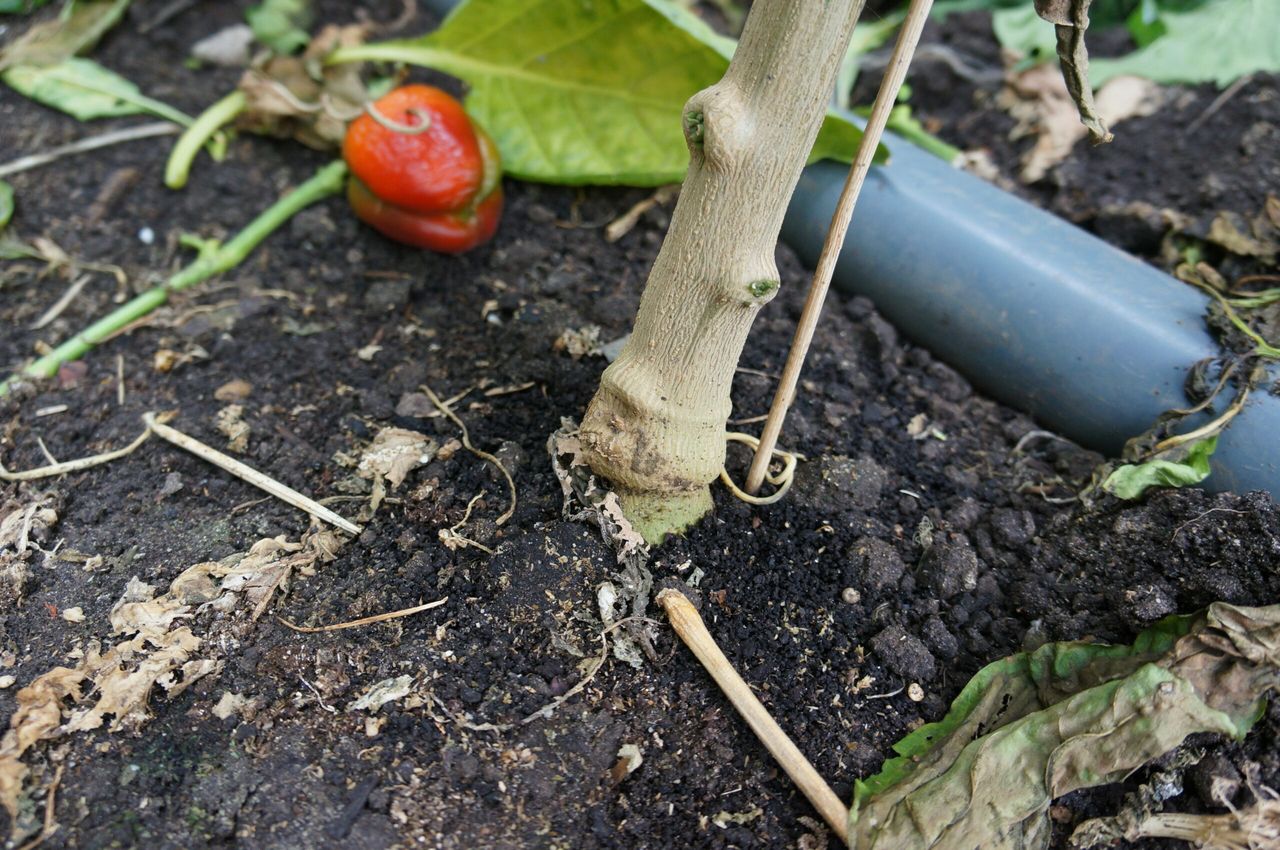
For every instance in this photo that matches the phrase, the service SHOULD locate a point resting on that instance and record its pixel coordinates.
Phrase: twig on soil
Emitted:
(1219, 102)
(48, 455)
(625, 223)
(92, 143)
(480, 453)
(1199, 517)
(508, 390)
(466, 723)
(689, 626)
(895, 75)
(73, 465)
(364, 621)
(549, 708)
(120, 380)
(214, 259)
(50, 805)
(247, 473)
(319, 699)
(168, 13)
(62, 303)
(450, 537)
(1031, 436)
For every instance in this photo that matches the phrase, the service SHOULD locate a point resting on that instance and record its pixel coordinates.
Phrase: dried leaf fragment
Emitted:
(1071, 715)
(1070, 19)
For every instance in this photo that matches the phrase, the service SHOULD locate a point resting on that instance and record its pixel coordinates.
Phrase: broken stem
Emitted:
(213, 260)
(247, 473)
(689, 626)
(895, 75)
(201, 130)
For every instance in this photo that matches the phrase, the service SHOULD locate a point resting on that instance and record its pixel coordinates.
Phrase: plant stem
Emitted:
(201, 130)
(917, 17)
(215, 260)
(655, 428)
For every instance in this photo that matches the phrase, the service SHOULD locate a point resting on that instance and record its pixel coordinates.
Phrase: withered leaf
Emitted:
(1073, 715)
(1071, 19)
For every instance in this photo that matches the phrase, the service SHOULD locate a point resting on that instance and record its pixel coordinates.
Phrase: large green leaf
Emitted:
(85, 90)
(1133, 479)
(583, 92)
(1218, 42)
(78, 29)
(867, 36)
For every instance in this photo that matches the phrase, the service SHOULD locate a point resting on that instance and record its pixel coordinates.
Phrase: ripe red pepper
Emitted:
(438, 188)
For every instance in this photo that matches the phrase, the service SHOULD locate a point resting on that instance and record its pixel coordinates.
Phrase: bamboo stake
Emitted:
(689, 626)
(895, 74)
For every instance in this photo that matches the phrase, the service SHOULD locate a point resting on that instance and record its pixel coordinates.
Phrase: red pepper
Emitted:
(439, 187)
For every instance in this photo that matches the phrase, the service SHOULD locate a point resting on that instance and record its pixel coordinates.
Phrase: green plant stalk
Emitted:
(214, 259)
(1262, 347)
(200, 131)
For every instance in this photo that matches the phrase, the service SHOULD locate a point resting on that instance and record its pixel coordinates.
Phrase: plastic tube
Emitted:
(1033, 310)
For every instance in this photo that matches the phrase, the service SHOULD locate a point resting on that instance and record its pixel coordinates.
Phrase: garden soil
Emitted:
(930, 530)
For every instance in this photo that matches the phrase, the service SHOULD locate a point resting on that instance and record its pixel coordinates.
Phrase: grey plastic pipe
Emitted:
(1033, 310)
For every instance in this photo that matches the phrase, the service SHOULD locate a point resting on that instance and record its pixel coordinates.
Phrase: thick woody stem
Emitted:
(656, 425)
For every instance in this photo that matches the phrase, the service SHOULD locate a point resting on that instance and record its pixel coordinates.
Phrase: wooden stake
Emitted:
(689, 626)
(895, 74)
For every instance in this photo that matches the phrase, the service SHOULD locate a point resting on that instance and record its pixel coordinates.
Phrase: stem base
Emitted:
(657, 514)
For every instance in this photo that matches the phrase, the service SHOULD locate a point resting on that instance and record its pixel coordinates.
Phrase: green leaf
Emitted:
(281, 24)
(1217, 42)
(867, 36)
(81, 25)
(85, 90)
(1132, 480)
(20, 7)
(6, 204)
(1021, 30)
(1034, 726)
(583, 92)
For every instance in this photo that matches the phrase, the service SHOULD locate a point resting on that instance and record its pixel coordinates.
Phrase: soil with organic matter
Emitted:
(928, 533)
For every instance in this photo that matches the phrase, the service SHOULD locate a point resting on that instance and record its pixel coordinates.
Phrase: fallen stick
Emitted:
(69, 466)
(247, 473)
(364, 621)
(689, 626)
(114, 137)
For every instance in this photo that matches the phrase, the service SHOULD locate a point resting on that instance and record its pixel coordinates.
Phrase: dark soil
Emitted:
(829, 602)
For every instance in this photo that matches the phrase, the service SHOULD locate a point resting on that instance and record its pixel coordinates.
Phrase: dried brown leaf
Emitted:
(1039, 725)
(301, 97)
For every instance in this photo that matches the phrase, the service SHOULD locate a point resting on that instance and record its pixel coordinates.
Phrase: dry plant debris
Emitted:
(159, 649)
(579, 342)
(586, 501)
(1034, 726)
(304, 98)
(230, 422)
(1039, 101)
(26, 518)
(392, 455)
